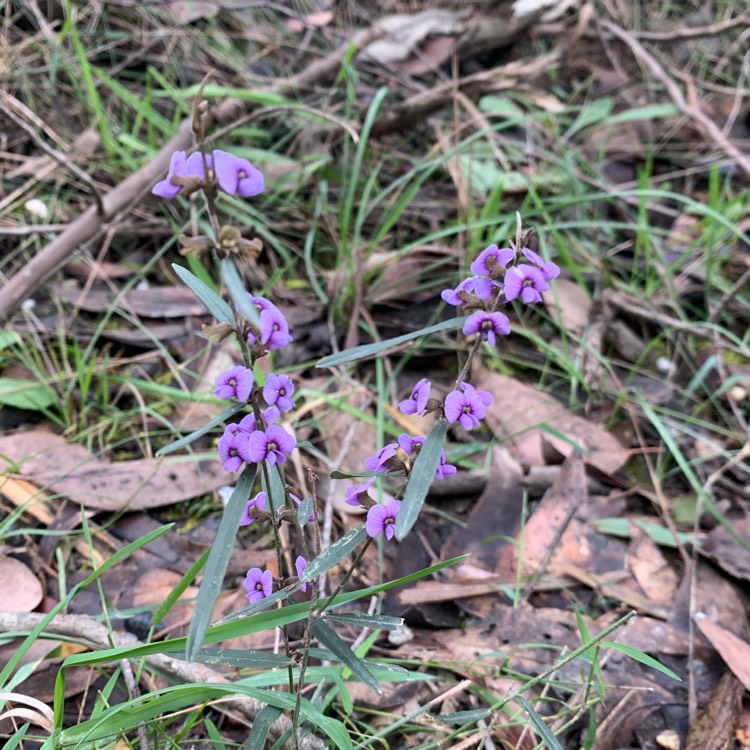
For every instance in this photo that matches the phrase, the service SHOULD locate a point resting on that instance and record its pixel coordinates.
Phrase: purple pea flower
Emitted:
(259, 502)
(484, 396)
(492, 260)
(378, 462)
(181, 167)
(274, 329)
(258, 584)
(271, 445)
(356, 491)
(487, 324)
(248, 424)
(479, 285)
(278, 391)
(467, 408)
(230, 450)
(237, 175)
(416, 403)
(380, 518)
(408, 444)
(301, 565)
(525, 281)
(549, 269)
(236, 382)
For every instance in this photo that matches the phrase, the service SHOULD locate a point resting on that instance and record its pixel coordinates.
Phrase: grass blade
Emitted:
(384, 622)
(215, 304)
(541, 728)
(218, 559)
(340, 648)
(370, 350)
(201, 431)
(256, 740)
(420, 479)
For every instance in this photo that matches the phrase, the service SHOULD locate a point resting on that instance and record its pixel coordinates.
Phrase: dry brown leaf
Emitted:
(70, 470)
(520, 411)
(713, 728)
(733, 650)
(726, 552)
(22, 591)
(568, 305)
(653, 573)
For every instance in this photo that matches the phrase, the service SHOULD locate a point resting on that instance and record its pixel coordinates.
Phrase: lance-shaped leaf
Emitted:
(550, 741)
(331, 555)
(370, 350)
(361, 620)
(240, 297)
(215, 304)
(340, 648)
(218, 559)
(235, 657)
(201, 431)
(256, 740)
(420, 479)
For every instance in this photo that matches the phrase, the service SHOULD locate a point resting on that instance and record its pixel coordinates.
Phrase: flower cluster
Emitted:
(499, 277)
(233, 174)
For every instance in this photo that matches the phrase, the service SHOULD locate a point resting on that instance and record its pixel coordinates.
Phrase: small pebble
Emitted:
(36, 209)
(402, 634)
(664, 365)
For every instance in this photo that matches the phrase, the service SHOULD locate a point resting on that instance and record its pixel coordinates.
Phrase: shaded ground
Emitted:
(612, 476)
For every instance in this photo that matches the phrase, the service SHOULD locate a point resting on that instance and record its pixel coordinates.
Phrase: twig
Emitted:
(85, 628)
(58, 156)
(88, 225)
(704, 123)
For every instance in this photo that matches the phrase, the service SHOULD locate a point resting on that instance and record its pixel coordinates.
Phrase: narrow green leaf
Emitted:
(360, 620)
(540, 726)
(304, 511)
(26, 394)
(234, 657)
(331, 555)
(420, 479)
(201, 431)
(370, 350)
(463, 717)
(658, 534)
(642, 658)
(218, 559)
(340, 648)
(13, 741)
(256, 740)
(213, 302)
(240, 296)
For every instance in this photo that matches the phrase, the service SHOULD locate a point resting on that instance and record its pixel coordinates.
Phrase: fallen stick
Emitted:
(88, 225)
(83, 627)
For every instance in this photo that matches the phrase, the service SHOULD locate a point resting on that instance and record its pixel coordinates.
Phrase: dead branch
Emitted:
(91, 222)
(86, 628)
(702, 121)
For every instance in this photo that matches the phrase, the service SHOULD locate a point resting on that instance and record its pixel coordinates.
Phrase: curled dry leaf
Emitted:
(22, 591)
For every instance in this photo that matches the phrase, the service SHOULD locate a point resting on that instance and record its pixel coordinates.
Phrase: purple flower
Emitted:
(298, 502)
(278, 391)
(526, 282)
(236, 382)
(487, 324)
(274, 330)
(381, 518)
(356, 491)
(271, 445)
(301, 564)
(237, 175)
(484, 396)
(479, 285)
(416, 403)
(378, 462)
(259, 502)
(492, 261)
(444, 469)
(408, 444)
(181, 167)
(465, 407)
(229, 450)
(258, 584)
(248, 424)
(549, 269)
(270, 415)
